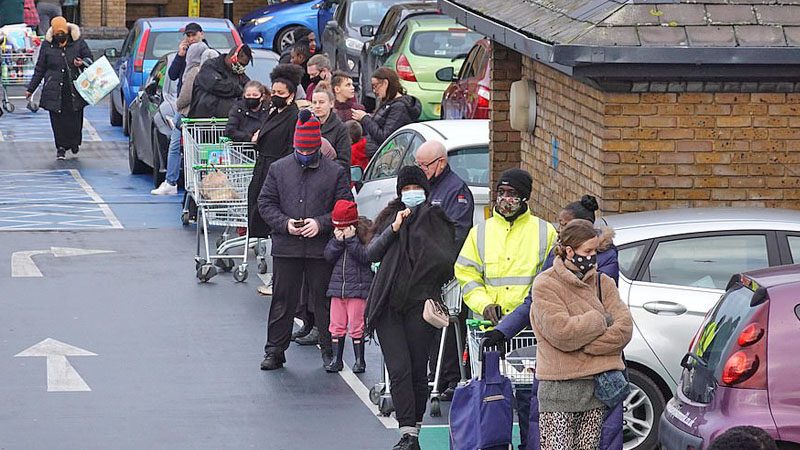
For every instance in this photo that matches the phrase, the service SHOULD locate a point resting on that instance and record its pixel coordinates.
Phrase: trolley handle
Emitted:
(211, 120)
(501, 349)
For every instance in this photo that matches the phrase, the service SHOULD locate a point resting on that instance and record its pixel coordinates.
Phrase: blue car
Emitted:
(273, 26)
(149, 40)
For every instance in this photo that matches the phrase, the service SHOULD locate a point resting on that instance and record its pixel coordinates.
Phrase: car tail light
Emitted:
(237, 39)
(750, 335)
(138, 61)
(746, 366)
(404, 70)
(739, 368)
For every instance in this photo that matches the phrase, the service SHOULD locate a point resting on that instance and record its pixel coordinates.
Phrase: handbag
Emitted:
(436, 313)
(610, 387)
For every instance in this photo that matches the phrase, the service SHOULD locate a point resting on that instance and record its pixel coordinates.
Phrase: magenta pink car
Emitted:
(743, 366)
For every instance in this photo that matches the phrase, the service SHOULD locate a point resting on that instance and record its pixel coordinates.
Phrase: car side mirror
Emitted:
(110, 53)
(151, 89)
(367, 30)
(356, 174)
(331, 24)
(446, 74)
(379, 50)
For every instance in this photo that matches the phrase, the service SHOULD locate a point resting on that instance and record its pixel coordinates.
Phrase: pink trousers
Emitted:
(346, 311)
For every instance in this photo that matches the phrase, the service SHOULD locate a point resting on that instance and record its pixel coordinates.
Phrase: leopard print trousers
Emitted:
(571, 431)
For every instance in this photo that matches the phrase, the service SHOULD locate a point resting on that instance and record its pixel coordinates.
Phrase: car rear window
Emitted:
(471, 164)
(443, 44)
(712, 345)
(161, 43)
(260, 69)
(368, 12)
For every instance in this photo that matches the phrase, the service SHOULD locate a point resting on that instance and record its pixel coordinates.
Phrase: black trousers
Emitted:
(67, 128)
(451, 374)
(287, 276)
(405, 341)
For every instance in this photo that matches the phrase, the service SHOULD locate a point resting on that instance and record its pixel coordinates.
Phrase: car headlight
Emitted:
(261, 20)
(353, 44)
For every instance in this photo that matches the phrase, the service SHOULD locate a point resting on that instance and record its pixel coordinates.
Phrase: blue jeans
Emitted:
(174, 152)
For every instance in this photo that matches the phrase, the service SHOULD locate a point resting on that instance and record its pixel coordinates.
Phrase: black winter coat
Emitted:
(352, 275)
(389, 117)
(337, 134)
(274, 142)
(216, 89)
(294, 192)
(415, 262)
(51, 66)
(244, 122)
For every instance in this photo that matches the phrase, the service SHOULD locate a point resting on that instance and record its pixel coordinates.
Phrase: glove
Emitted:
(492, 313)
(493, 338)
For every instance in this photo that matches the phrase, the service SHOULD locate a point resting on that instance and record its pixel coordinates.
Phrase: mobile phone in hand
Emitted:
(298, 223)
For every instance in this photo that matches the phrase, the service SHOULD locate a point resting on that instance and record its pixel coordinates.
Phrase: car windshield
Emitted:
(161, 43)
(260, 69)
(713, 343)
(471, 164)
(368, 12)
(452, 43)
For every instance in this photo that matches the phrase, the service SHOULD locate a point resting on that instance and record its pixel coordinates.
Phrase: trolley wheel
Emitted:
(375, 393)
(226, 264)
(436, 407)
(206, 272)
(8, 106)
(386, 407)
(240, 274)
(185, 217)
(262, 267)
(199, 262)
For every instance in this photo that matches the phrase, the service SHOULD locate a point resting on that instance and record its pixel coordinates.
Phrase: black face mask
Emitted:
(316, 79)
(252, 103)
(279, 102)
(584, 263)
(60, 38)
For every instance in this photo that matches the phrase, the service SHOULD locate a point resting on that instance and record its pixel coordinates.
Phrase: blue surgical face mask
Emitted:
(413, 197)
(305, 160)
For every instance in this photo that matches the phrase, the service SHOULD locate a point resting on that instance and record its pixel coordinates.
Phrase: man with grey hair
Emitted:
(452, 194)
(319, 69)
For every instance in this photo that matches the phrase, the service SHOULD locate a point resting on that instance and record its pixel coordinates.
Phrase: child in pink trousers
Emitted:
(350, 282)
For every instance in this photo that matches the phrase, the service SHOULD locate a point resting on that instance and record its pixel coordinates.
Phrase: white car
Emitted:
(467, 144)
(674, 266)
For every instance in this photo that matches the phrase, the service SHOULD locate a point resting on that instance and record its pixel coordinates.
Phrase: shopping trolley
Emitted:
(217, 174)
(451, 296)
(520, 362)
(17, 65)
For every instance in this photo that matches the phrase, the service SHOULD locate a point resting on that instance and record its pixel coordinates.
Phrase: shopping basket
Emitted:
(520, 351)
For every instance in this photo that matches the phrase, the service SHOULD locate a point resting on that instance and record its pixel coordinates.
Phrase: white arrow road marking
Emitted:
(22, 265)
(61, 376)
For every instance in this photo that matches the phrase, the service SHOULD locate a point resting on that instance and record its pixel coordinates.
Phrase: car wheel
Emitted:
(137, 166)
(641, 412)
(158, 176)
(126, 122)
(115, 116)
(285, 39)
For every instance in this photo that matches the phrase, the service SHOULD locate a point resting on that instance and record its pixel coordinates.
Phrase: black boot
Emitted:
(273, 361)
(407, 442)
(337, 364)
(358, 349)
(312, 338)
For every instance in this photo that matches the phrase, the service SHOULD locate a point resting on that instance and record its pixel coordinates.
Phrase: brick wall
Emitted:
(99, 21)
(504, 142)
(208, 8)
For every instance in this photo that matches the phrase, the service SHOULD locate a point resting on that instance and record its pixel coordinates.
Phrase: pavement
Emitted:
(107, 339)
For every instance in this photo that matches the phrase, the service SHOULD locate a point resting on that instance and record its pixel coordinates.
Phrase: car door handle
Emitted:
(378, 192)
(665, 308)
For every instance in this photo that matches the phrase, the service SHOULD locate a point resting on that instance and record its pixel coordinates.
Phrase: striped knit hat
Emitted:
(307, 137)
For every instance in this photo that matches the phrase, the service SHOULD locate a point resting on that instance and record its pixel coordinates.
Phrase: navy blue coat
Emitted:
(352, 275)
(451, 193)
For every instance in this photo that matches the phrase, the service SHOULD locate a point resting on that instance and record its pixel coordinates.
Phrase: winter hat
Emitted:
(194, 56)
(518, 179)
(307, 136)
(412, 175)
(59, 25)
(344, 213)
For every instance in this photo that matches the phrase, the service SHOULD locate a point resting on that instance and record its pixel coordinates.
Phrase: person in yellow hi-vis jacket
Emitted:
(501, 257)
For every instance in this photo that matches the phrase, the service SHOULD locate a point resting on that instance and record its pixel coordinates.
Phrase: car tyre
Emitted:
(115, 117)
(285, 38)
(642, 409)
(134, 163)
(126, 123)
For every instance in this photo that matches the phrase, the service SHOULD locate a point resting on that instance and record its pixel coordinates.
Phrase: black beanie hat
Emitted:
(412, 175)
(518, 179)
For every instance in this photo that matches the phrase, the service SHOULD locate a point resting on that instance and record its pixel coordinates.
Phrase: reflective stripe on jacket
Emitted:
(499, 260)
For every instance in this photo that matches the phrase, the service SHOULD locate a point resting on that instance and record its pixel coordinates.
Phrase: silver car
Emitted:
(674, 266)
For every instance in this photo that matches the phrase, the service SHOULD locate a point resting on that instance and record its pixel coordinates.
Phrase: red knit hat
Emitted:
(345, 213)
(307, 135)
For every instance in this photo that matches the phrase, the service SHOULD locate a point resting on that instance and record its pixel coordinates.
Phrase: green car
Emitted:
(423, 47)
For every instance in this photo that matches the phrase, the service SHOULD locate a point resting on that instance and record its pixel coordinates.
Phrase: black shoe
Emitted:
(312, 338)
(75, 150)
(407, 442)
(272, 361)
(358, 349)
(302, 332)
(447, 395)
(61, 154)
(337, 364)
(327, 357)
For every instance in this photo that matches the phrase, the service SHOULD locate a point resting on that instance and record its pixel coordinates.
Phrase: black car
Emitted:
(380, 40)
(342, 38)
(152, 113)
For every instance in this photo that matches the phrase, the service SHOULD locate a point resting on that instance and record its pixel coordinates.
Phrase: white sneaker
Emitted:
(165, 189)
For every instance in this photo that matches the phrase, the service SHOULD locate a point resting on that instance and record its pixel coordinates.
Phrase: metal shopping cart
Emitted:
(520, 363)
(16, 69)
(451, 295)
(217, 174)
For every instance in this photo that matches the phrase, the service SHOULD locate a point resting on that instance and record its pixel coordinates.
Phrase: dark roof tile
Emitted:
(719, 36)
(662, 36)
(778, 15)
(612, 36)
(760, 36)
(792, 35)
(634, 15)
(682, 14)
(731, 14)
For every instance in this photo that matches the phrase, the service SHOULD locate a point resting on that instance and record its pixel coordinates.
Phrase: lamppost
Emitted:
(227, 9)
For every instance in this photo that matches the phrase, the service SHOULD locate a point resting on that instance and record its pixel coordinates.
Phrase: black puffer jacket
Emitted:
(389, 117)
(51, 66)
(337, 134)
(215, 89)
(352, 275)
(244, 122)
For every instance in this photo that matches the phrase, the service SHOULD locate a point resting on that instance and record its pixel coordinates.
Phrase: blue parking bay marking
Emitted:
(51, 200)
(25, 126)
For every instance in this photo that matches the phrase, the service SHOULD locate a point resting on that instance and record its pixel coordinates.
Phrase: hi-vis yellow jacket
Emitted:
(499, 260)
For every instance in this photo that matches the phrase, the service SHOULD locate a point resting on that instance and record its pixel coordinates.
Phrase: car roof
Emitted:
(266, 54)
(454, 133)
(176, 23)
(434, 21)
(776, 276)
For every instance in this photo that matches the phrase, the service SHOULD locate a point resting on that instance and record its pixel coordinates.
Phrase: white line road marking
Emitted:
(91, 131)
(115, 223)
(22, 265)
(61, 376)
(362, 393)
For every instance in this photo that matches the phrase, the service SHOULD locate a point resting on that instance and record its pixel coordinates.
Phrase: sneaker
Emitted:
(165, 189)
(312, 338)
(61, 154)
(265, 289)
(272, 362)
(407, 442)
(75, 150)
